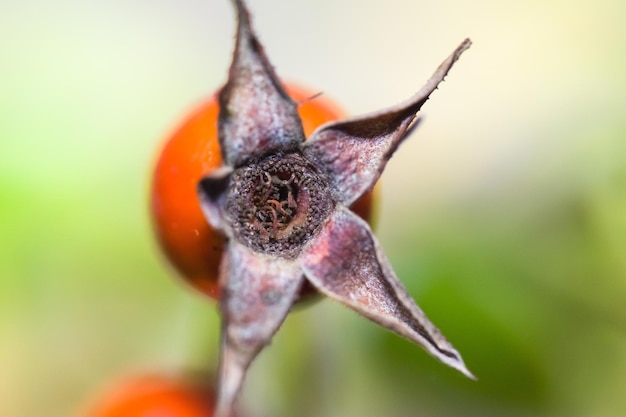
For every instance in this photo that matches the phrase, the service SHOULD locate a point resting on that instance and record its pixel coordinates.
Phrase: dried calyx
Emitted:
(283, 206)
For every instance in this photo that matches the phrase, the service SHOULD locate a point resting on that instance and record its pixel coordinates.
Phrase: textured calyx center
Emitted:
(278, 203)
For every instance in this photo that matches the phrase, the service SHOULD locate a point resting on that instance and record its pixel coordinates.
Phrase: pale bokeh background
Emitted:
(505, 214)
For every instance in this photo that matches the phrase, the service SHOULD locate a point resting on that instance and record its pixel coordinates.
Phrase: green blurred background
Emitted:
(505, 214)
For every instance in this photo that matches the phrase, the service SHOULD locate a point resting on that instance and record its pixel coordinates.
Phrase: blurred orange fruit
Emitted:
(155, 395)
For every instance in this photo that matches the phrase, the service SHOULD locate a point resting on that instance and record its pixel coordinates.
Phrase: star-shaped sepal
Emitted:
(347, 264)
(256, 114)
(354, 151)
(282, 205)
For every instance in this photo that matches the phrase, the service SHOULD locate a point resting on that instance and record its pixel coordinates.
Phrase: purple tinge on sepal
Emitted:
(354, 151)
(345, 263)
(256, 114)
(257, 292)
(289, 224)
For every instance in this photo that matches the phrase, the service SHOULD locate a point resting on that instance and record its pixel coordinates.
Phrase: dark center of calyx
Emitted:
(278, 203)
